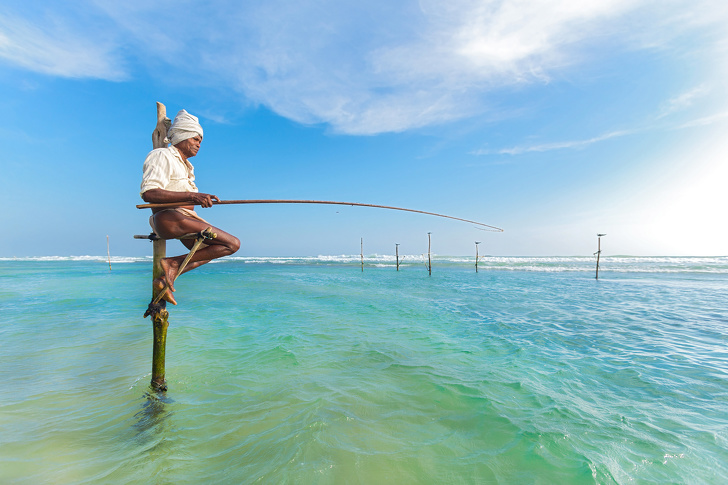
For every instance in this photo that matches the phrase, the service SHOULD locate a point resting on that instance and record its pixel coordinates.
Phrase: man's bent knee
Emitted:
(234, 244)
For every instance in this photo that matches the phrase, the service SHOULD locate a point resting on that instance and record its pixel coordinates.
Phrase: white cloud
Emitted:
(54, 48)
(450, 55)
(362, 68)
(377, 68)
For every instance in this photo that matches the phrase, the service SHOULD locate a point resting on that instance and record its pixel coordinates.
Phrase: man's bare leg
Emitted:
(171, 225)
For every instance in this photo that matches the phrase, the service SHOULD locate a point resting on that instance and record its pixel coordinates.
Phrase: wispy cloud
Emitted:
(52, 47)
(705, 120)
(545, 147)
(362, 68)
(683, 101)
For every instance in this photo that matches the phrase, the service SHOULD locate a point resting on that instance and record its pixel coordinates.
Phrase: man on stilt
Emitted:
(169, 178)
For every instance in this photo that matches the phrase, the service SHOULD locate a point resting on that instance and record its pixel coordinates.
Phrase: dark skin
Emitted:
(173, 224)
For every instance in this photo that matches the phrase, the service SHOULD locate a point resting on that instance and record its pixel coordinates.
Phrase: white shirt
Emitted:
(164, 168)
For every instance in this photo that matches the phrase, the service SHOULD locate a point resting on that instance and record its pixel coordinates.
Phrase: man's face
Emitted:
(190, 146)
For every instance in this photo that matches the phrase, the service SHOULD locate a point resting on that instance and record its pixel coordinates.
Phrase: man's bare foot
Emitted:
(170, 273)
(159, 285)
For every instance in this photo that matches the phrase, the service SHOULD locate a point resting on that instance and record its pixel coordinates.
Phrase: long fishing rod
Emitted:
(275, 201)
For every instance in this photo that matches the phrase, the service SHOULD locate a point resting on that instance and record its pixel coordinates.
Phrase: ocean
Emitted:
(314, 371)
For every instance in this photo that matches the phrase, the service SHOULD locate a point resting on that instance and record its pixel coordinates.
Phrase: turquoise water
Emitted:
(310, 370)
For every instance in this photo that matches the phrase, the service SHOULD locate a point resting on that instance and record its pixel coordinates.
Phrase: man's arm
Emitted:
(161, 196)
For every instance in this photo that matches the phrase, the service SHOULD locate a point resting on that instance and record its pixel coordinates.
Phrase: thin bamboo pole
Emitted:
(330, 202)
(396, 252)
(362, 255)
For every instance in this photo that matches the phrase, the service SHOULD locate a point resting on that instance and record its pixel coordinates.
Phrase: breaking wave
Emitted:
(626, 264)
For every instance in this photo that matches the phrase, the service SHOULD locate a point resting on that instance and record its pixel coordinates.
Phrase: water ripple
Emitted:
(301, 372)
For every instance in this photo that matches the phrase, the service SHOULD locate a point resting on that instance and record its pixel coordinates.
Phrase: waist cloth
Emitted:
(185, 212)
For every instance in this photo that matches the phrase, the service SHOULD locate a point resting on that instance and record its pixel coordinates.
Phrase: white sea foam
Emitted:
(100, 259)
(632, 264)
(628, 264)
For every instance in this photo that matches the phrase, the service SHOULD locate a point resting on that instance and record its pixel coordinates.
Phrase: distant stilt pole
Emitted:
(476, 255)
(108, 253)
(362, 255)
(396, 252)
(599, 252)
(429, 256)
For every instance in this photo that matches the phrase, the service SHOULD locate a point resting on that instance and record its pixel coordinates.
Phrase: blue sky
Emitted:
(554, 120)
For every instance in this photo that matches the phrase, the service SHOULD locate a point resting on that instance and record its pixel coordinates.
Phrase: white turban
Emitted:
(183, 127)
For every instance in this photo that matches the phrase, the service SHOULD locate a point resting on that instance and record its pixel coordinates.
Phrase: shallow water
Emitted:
(309, 370)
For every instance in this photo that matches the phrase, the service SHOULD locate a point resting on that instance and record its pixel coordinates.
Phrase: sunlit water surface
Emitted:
(310, 370)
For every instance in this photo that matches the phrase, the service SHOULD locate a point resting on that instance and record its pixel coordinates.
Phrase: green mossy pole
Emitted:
(159, 322)
(159, 318)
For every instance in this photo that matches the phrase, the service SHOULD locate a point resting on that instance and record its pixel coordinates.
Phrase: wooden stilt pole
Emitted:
(476, 255)
(160, 315)
(429, 257)
(159, 322)
(396, 252)
(362, 255)
(599, 252)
